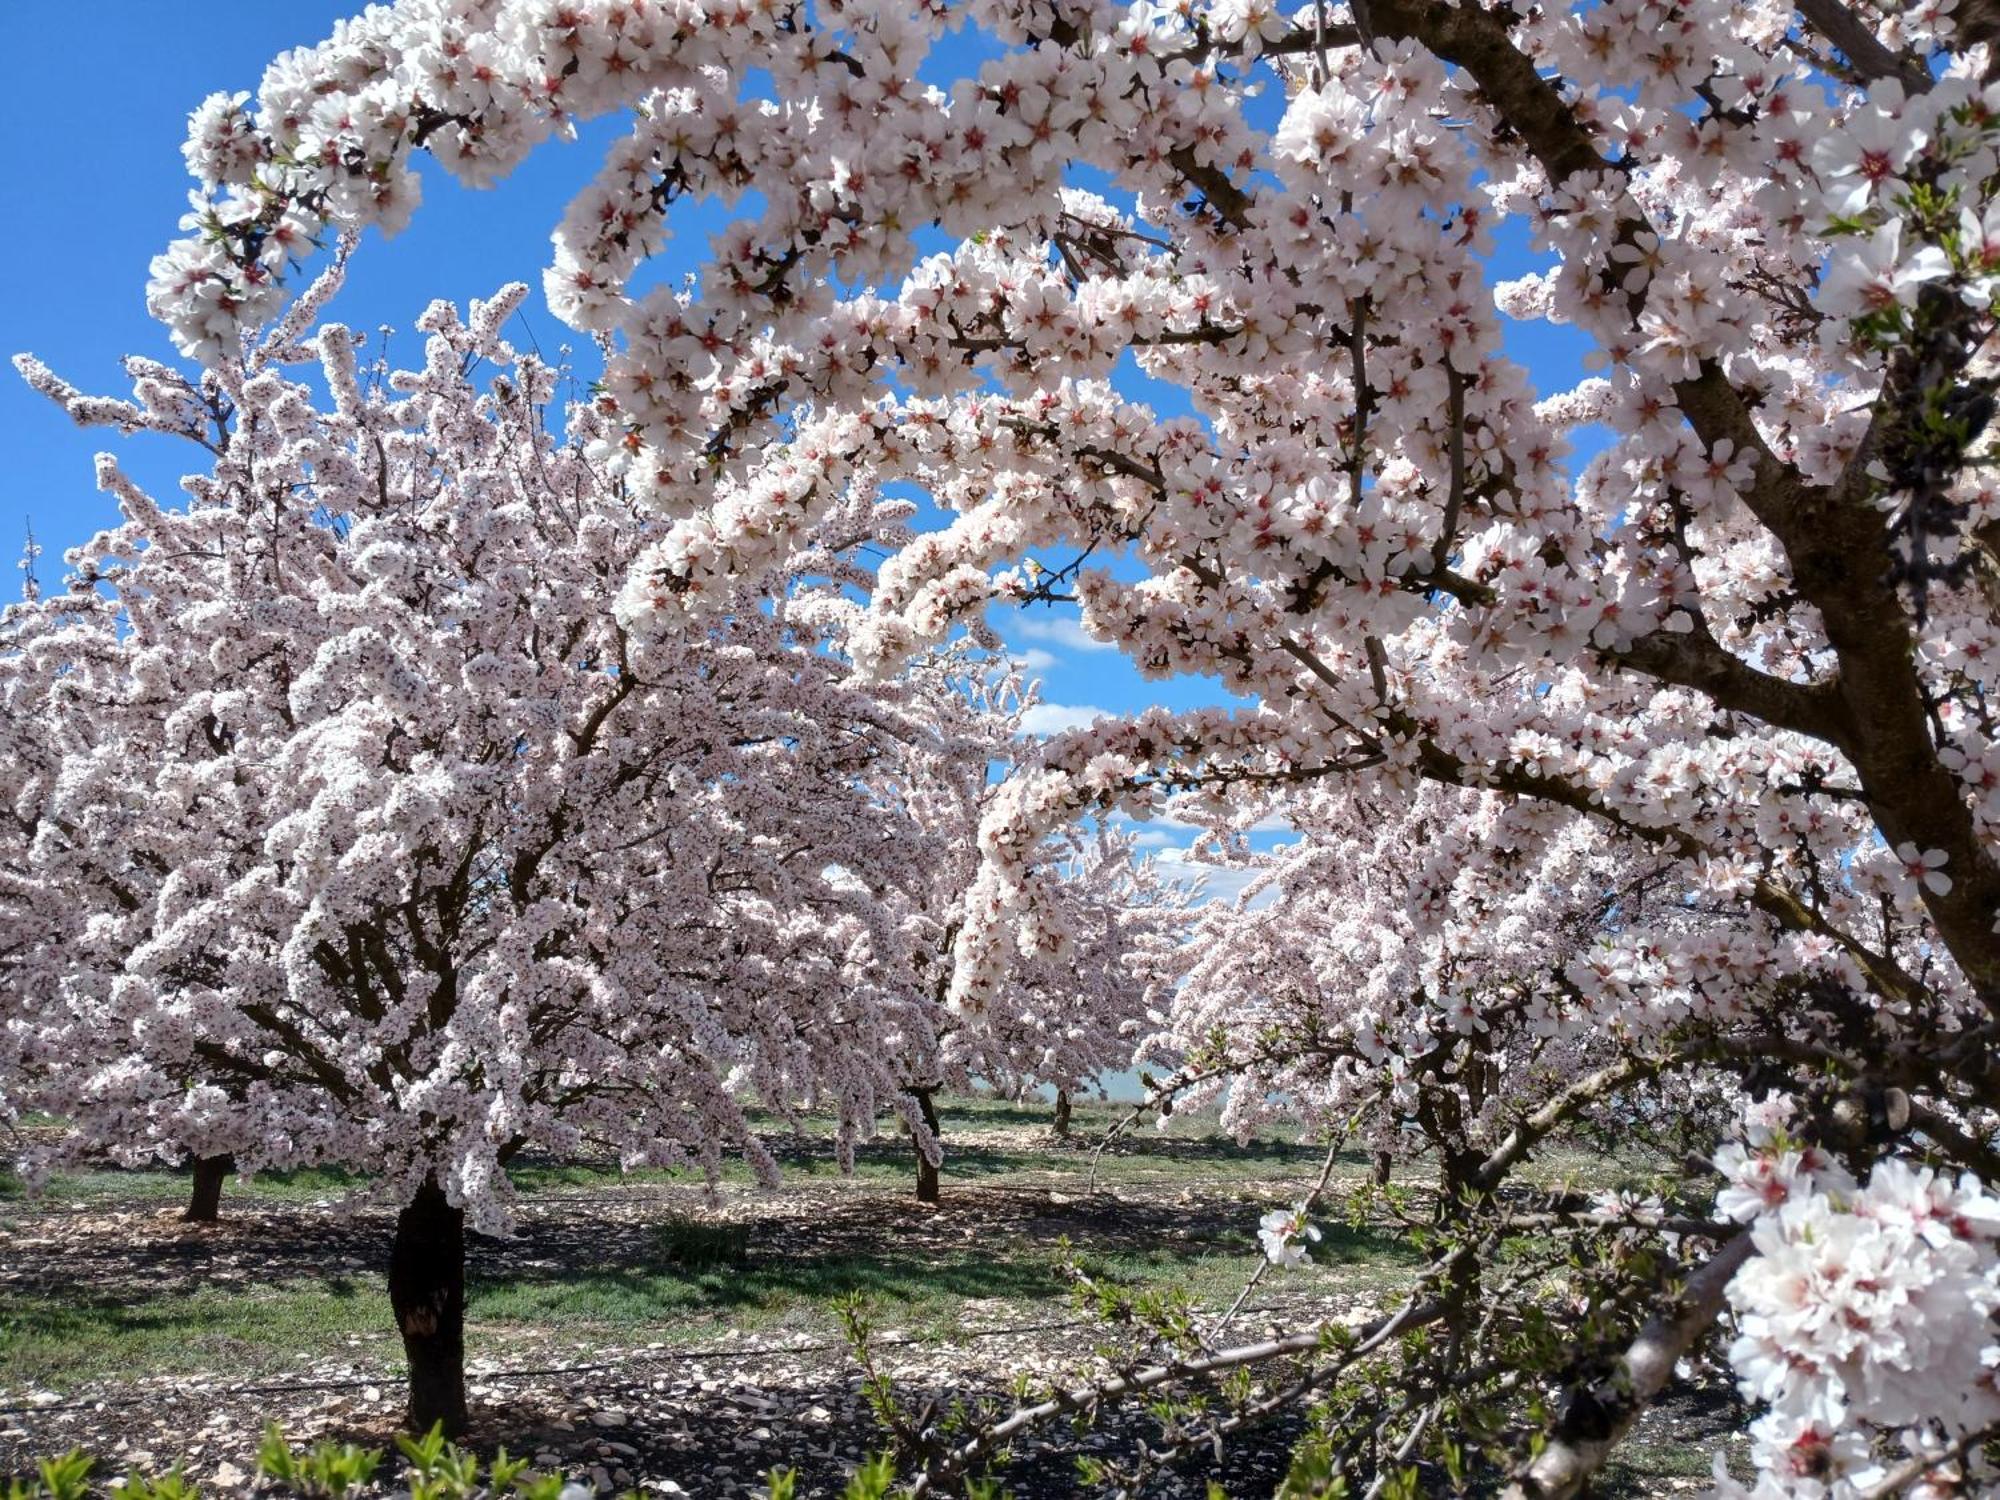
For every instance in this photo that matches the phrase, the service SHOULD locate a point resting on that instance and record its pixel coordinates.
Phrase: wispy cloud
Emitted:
(1269, 823)
(1219, 882)
(1035, 659)
(1054, 718)
(1156, 820)
(1058, 630)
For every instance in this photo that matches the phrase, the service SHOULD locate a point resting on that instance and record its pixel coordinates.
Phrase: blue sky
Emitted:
(98, 119)
(75, 281)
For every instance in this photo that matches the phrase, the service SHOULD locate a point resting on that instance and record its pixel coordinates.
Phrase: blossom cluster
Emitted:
(1865, 1307)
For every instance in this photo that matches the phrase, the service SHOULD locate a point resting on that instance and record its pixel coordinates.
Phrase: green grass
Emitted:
(1676, 1440)
(880, 1162)
(667, 1301)
(61, 1342)
(145, 1185)
(688, 1283)
(759, 1287)
(1187, 1219)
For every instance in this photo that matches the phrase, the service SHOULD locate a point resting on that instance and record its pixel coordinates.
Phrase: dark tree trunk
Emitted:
(427, 1293)
(1480, 1079)
(1062, 1114)
(1383, 1161)
(927, 1172)
(205, 1202)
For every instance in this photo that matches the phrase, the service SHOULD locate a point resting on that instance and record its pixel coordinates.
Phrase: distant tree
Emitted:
(1067, 1014)
(1379, 979)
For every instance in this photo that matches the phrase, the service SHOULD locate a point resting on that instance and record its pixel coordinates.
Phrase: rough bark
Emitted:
(427, 1293)
(1062, 1114)
(927, 1172)
(205, 1199)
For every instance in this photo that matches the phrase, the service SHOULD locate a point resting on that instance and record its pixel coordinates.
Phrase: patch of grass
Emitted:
(694, 1278)
(1673, 1446)
(552, 1177)
(1589, 1172)
(684, 1281)
(1187, 1147)
(693, 1281)
(692, 1245)
(893, 1161)
(62, 1342)
(147, 1185)
(97, 1185)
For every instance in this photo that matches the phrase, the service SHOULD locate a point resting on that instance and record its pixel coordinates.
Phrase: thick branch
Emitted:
(1695, 659)
(1838, 545)
(1861, 47)
(1564, 1467)
(1536, 1127)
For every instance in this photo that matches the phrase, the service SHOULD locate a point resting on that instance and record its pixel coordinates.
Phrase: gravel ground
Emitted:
(705, 1407)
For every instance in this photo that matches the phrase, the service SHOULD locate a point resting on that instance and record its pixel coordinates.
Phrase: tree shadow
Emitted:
(1224, 1150)
(140, 1257)
(999, 1244)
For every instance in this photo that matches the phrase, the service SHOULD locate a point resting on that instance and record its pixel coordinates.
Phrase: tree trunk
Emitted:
(1383, 1162)
(1062, 1114)
(427, 1293)
(927, 1172)
(205, 1202)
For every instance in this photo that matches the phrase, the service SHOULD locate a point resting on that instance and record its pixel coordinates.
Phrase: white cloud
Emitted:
(1058, 630)
(843, 879)
(1157, 820)
(1153, 838)
(1035, 659)
(1219, 882)
(1054, 718)
(1269, 823)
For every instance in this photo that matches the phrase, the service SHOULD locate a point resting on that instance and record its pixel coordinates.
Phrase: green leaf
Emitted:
(67, 1477)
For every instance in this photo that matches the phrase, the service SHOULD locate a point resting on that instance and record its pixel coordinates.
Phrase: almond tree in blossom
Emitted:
(1064, 1015)
(1723, 610)
(1379, 979)
(347, 824)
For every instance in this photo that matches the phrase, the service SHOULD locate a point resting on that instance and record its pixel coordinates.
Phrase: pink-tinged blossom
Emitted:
(1925, 867)
(1287, 1237)
(1870, 1304)
(1878, 277)
(1861, 161)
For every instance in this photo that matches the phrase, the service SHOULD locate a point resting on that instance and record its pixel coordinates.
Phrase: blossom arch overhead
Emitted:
(1751, 636)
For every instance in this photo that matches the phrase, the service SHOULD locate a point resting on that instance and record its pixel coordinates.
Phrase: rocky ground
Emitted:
(641, 1334)
(645, 1418)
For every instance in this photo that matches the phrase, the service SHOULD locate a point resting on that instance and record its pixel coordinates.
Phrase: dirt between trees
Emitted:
(650, 1416)
(641, 1334)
